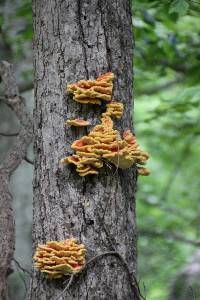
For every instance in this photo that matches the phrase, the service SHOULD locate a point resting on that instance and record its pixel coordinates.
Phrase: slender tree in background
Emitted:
(12, 160)
(76, 40)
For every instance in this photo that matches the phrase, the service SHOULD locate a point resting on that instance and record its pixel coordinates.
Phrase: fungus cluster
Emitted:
(56, 259)
(93, 91)
(103, 143)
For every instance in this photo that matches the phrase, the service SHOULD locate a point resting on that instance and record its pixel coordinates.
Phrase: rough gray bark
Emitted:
(76, 40)
(7, 167)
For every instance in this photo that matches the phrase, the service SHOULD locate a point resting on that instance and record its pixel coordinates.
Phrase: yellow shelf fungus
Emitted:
(93, 91)
(114, 109)
(57, 259)
(77, 123)
(143, 171)
(128, 153)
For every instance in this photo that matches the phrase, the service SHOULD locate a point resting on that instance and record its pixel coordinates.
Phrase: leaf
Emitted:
(180, 7)
(1, 20)
(24, 10)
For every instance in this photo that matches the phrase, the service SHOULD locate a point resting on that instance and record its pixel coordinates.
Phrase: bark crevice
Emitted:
(79, 17)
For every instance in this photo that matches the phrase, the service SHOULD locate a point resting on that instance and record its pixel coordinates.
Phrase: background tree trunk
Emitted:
(186, 284)
(8, 165)
(76, 40)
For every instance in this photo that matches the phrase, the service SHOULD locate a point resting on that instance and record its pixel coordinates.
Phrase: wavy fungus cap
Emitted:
(56, 259)
(77, 122)
(139, 156)
(93, 91)
(143, 171)
(114, 109)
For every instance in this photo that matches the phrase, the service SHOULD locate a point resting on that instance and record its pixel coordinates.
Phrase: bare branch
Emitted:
(177, 167)
(3, 99)
(168, 235)
(12, 160)
(7, 134)
(67, 286)
(161, 87)
(28, 160)
(20, 267)
(25, 86)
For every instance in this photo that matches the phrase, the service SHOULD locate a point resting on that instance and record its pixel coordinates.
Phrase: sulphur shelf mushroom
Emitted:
(77, 123)
(93, 91)
(114, 109)
(57, 259)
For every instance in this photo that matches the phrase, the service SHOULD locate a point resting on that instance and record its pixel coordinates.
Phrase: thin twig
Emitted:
(104, 211)
(107, 163)
(3, 99)
(177, 168)
(144, 290)
(162, 206)
(20, 267)
(25, 86)
(67, 286)
(108, 237)
(157, 89)
(196, 2)
(7, 134)
(117, 167)
(132, 279)
(102, 224)
(28, 160)
(192, 292)
(168, 235)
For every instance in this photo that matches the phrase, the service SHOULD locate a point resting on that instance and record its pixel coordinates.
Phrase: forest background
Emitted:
(167, 125)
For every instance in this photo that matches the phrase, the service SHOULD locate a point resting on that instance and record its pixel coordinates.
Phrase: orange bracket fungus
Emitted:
(92, 91)
(128, 154)
(103, 142)
(57, 259)
(77, 122)
(114, 109)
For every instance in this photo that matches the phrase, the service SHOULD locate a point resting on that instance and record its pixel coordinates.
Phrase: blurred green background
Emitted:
(167, 125)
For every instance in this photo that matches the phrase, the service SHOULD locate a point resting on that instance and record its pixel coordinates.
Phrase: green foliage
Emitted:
(167, 121)
(1, 20)
(25, 11)
(180, 7)
(16, 29)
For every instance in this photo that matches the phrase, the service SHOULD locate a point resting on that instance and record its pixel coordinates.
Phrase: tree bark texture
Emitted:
(76, 40)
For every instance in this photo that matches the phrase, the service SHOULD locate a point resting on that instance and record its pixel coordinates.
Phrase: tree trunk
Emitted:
(76, 40)
(7, 234)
